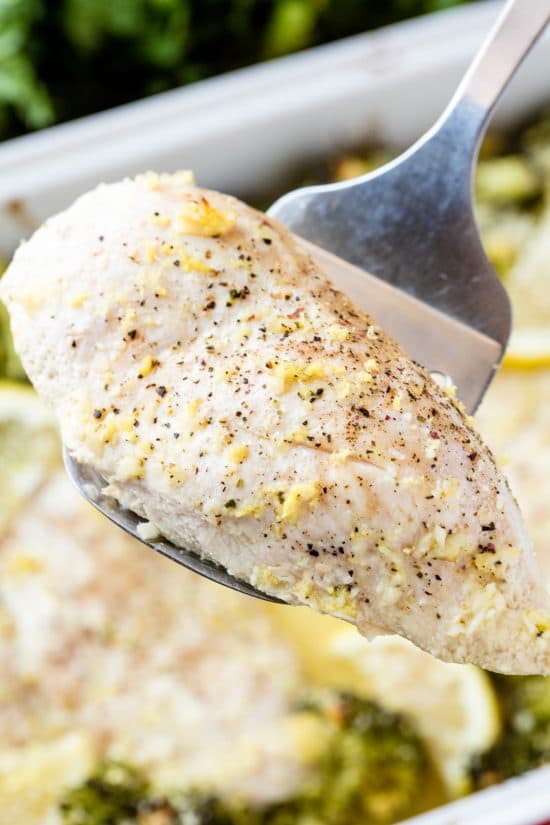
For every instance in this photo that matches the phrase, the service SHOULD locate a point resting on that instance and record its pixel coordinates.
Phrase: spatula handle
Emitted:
(507, 44)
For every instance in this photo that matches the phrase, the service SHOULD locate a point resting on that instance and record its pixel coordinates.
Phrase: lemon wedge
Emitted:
(29, 447)
(529, 348)
(454, 707)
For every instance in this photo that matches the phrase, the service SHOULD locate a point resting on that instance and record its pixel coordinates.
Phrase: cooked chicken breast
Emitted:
(198, 358)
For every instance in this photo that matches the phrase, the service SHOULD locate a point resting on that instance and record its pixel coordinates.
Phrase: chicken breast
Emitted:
(198, 358)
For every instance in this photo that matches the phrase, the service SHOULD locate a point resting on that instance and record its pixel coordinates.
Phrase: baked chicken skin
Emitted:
(199, 359)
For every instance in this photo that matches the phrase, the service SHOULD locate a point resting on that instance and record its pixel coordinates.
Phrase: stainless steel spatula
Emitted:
(412, 225)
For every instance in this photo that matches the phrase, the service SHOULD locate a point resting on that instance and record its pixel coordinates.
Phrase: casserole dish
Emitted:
(246, 133)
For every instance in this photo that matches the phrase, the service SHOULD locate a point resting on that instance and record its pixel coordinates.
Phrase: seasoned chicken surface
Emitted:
(200, 360)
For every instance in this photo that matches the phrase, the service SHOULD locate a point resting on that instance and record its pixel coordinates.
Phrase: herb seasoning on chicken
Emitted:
(198, 358)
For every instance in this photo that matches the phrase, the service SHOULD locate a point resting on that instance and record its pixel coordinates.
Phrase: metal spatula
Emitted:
(412, 225)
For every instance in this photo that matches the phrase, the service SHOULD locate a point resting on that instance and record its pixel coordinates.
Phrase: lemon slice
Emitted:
(528, 285)
(529, 348)
(454, 707)
(29, 447)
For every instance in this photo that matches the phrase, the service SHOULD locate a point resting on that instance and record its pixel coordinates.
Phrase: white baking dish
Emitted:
(522, 801)
(242, 133)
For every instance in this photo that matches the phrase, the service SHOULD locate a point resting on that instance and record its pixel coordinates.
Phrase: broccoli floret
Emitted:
(512, 755)
(192, 808)
(110, 797)
(118, 794)
(372, 770)
(525, 742)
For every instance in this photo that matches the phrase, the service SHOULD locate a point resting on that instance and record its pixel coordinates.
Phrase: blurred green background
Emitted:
(60, 59)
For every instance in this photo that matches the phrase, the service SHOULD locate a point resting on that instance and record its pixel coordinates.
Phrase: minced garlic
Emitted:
(201, 218)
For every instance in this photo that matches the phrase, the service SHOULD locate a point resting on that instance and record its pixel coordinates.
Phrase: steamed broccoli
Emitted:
(372, 769)
(110, 797)
(525, 742)
(192, 808)
(118, 794)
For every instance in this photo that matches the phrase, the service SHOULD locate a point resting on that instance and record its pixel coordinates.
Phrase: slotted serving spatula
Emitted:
(411, 224)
